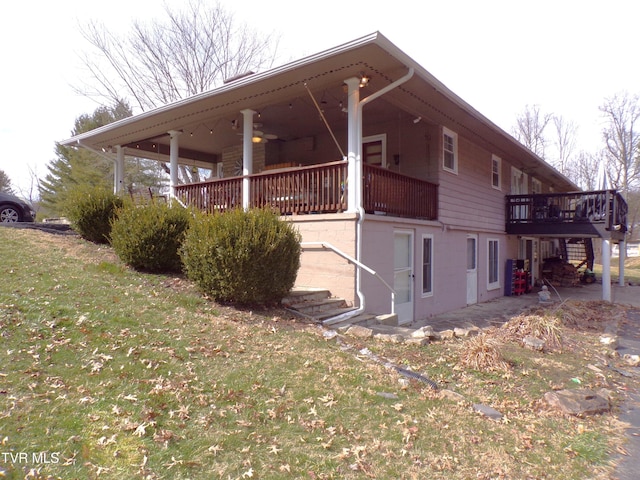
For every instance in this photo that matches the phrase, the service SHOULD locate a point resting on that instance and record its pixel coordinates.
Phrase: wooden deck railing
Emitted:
(316, 189)
(399, 195)
(213, 195)
(604, 208)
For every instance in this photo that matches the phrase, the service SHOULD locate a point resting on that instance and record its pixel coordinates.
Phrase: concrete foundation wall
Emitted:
(322, 268)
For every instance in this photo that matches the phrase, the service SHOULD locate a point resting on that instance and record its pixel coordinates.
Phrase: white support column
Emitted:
(354, 146)
(622, 248)
(247, 154)
(118, 177)
(174, 147)
(606, 270)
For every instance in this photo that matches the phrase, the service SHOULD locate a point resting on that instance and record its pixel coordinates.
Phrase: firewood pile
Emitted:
(560, 274)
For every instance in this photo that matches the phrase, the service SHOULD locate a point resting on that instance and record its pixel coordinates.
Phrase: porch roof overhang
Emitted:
(281, 97)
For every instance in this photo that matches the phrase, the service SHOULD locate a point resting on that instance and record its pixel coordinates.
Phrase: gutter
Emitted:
(97, 152)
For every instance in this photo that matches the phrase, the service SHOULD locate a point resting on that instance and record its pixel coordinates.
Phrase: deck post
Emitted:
(622, 255)
(247, 154)
(174, 147)
(118, 176)
(354, 145)
(606, 270)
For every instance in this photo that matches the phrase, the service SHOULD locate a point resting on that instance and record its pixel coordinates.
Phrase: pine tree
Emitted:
(73, 167)
(5, 183)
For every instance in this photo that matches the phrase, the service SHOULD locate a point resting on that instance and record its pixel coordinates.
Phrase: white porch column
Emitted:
(247, 154)
(174, 146)
(118, 174)
(622, 248)
(606, 270)
(354, 147)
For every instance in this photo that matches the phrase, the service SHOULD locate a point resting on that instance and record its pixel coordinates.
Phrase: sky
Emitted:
(566, 56)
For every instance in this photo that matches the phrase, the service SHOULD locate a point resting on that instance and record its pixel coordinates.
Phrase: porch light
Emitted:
(256, 139)
(364, 80)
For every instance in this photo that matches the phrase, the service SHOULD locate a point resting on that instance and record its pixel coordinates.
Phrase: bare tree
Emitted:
(583, 170)
(622, 140)
(530, 127)
(565, 143)
(194, 50)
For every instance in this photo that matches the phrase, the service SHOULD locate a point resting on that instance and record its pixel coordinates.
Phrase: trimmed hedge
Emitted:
(148, 237)
(91, 210)
(242, 257)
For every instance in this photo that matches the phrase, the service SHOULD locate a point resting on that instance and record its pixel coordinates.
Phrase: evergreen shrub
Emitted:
(242, 257)
(91, 210)
(148, 237)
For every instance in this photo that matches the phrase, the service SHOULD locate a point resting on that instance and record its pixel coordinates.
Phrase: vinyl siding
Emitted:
(467, 198)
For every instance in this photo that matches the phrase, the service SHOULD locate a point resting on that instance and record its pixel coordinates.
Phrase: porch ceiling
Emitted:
(287, 110)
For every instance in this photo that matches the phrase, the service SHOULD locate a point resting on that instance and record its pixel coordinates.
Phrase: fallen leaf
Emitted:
(141, 430)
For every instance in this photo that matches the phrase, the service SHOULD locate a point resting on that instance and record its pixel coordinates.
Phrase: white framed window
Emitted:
(374, 150)
(496, 172)
(427, 265)
(493, 264)
(449, 150)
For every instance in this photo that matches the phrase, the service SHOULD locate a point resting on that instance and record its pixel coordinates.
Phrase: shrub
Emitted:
(148, 237)
(242, 257)
(91, 210)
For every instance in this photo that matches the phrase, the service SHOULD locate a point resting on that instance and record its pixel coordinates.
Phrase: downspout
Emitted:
(356, 196)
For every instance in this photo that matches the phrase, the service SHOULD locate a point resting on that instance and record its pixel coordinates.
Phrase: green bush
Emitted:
(148, 237)
(91, 210)
(240, 257)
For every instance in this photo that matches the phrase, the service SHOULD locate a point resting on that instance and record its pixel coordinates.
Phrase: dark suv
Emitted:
(14, 209)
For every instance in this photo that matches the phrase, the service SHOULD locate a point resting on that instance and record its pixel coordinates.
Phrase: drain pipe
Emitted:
(359, 104)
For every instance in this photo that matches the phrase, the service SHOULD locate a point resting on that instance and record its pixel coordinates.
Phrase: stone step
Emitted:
(301, 295)
(316, 308)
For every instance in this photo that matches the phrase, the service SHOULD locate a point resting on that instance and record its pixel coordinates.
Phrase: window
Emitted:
(449, 150)
(427, 265)
(496, 168)
(493, 267)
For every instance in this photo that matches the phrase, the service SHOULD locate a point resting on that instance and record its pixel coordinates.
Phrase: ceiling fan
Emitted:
(259, 136)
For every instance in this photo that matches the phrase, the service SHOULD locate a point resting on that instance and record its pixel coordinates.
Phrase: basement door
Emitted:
(472, 269)
(403, 275)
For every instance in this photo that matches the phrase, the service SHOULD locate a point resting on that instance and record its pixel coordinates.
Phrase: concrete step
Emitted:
(327, 317)
(361, 319)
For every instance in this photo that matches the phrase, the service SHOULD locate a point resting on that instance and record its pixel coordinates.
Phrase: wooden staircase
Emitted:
(319, 305)
(578, 251)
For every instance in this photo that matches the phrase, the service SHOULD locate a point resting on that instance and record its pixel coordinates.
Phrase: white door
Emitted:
(403, 275)
(472, 269)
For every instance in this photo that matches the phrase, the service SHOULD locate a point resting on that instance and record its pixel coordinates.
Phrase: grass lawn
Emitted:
(631, 270)
(112, 374)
